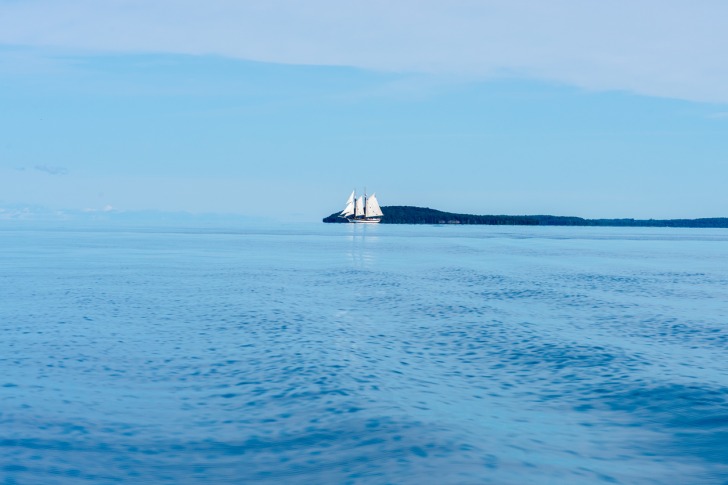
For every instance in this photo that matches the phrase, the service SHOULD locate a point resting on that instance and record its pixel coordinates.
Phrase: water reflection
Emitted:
(363, 240)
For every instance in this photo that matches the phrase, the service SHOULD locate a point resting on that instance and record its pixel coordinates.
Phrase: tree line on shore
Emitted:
(402, 214)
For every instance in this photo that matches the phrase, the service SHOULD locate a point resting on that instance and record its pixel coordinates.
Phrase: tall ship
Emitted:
(363, 209)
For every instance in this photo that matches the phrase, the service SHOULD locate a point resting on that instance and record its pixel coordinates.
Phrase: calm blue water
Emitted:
(345, 354)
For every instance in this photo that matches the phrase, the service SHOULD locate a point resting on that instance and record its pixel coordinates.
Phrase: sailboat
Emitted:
(364, 209)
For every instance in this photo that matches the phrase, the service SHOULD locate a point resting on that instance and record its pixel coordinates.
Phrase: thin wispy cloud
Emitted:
(51, 169)
(669, 48)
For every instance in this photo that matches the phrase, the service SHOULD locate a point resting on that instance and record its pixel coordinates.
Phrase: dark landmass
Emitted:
(403, 214)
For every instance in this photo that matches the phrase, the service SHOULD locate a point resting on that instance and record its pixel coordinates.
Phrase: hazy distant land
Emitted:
(403, 214)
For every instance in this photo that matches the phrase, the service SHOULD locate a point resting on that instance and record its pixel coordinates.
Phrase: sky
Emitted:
(279, 109)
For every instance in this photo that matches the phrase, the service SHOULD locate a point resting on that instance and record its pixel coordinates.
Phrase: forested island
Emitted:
(403, 214)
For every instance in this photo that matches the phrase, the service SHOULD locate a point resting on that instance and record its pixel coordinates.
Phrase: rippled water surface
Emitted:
(346, 354)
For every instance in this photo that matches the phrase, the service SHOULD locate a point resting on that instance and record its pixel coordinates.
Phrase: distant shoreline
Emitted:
(403, 214)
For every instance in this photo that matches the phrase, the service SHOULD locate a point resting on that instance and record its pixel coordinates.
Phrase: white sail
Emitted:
(350, 200)
(348, 210)
(373, 209)
(359, 209)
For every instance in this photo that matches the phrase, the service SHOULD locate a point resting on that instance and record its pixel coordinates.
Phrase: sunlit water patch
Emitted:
(343, 354)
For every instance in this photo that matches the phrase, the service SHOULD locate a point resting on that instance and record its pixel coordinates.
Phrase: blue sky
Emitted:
(275, 110)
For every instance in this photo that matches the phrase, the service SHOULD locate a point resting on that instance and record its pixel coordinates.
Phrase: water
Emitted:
(346, 354)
